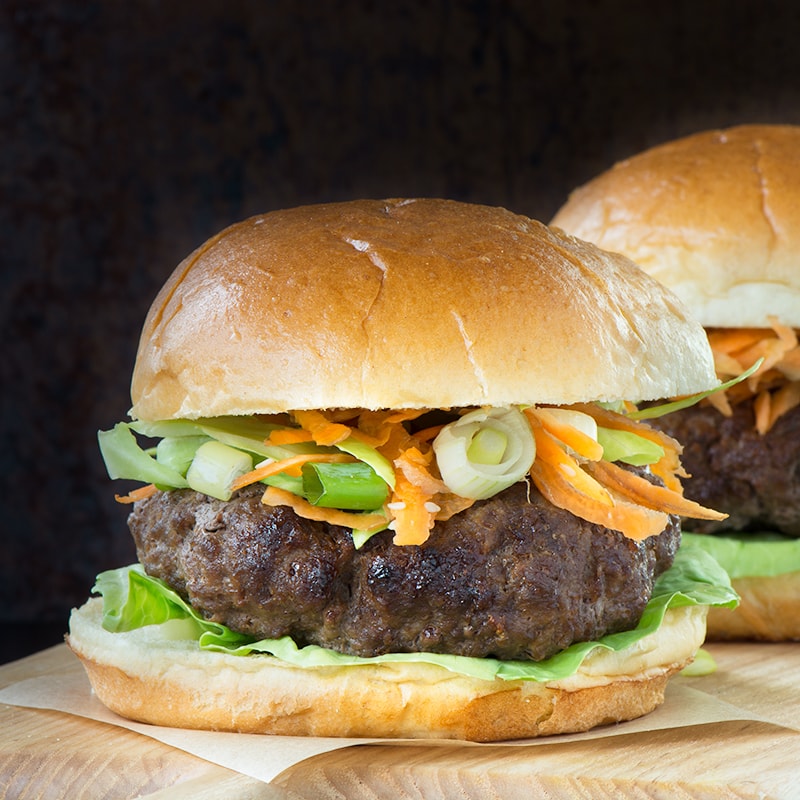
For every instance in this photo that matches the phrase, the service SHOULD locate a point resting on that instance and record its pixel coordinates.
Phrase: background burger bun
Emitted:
(408, 304)
(714, 216)
(145, 676)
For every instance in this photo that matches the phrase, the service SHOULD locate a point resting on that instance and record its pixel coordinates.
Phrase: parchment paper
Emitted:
(265, 757)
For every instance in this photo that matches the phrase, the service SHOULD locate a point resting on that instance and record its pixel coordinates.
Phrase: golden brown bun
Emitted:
(714, 216)
(768, 610)
(407, 304)
(147, 677)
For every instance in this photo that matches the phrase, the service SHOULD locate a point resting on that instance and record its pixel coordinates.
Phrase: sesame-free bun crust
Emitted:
(147, 677)
(714, 216)
(407, 304)
(768, 610)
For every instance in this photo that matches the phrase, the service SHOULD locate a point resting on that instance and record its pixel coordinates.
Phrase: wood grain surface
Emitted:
(46, 754)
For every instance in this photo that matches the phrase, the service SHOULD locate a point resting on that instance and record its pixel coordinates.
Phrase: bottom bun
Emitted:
(147, 676)
(768, 610)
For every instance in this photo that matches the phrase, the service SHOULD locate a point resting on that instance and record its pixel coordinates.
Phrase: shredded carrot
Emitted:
(733, 340)
(323, 431)
(640, 491)
(283, 436)
(290, 465)
(634, 521)
(450, 504)
(134, 496)
(416, 467)
(549, 451)
(577, 440)
(428, 434)
(784, 399)
(721, 402)
(372, 441)
(761, 409)
(412, 511)
(279, 497)
(376, 427)
(736, 349)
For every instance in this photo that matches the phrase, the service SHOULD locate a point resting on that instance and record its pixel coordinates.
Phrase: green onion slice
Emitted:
(351, 487)
(369, 455)
(215, 467)
(485, 451)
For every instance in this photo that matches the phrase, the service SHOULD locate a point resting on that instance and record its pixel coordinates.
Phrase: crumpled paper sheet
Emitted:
(265, 757)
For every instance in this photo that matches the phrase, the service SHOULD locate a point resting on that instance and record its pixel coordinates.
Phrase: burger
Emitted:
(390, 483)
(715, 216)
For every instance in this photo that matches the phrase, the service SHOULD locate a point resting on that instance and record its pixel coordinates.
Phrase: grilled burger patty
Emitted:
(513, 577)
(753, 478)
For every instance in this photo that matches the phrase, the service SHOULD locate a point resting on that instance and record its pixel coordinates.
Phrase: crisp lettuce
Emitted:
(131, 599)
(749, 555)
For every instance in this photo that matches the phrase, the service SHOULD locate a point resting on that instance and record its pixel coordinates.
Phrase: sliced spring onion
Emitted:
(488, 446)
(369, 455)
(351, 487)
(289, 483)
(628, 447)
(125, 459)
(177, 452)
(475, 478)
(215, 467)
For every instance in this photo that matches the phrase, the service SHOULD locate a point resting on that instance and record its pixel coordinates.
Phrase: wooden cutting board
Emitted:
(52, 754)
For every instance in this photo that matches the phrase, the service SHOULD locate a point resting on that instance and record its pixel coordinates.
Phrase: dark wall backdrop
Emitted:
(132, 131)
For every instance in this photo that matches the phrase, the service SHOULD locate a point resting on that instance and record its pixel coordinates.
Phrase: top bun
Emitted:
(408, 304)
(714, 216)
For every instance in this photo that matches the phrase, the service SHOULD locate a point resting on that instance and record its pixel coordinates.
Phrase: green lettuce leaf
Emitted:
(132, 599)
(749, 555)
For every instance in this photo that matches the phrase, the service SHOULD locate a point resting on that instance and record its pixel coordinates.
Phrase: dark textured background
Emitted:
(132, 131)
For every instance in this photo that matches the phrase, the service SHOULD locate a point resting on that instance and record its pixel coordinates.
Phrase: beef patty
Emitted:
(512, 577)
(754, 479)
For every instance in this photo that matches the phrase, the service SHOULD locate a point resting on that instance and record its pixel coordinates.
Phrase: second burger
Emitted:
(715, 216)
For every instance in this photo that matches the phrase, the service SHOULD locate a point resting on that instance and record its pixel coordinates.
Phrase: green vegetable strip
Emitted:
(354, 487)
(249, 434)
(167, 427)
(369, 455)
(628, 447)
(361, 537)
(668, 408)
(288, 483)
(125, 459)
